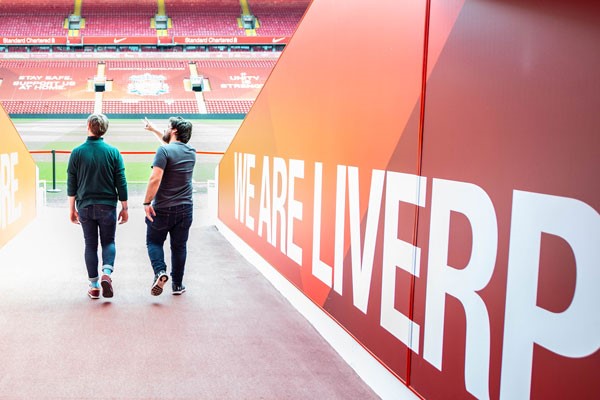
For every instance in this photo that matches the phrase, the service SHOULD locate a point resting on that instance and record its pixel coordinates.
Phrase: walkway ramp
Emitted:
(230, 336)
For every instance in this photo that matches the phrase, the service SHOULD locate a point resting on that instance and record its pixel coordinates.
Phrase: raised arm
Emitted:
(149, 127)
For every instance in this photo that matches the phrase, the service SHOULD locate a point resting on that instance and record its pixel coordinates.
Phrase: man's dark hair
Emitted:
(183, 127)
(97, 124)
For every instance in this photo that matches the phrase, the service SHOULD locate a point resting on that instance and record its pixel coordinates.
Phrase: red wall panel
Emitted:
(511, 107)
(454, 236)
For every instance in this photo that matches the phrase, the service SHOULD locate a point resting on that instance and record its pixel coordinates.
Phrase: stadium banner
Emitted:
(118, 40)
(35, 40)
(142, 40)
(63, 80)
(235, 82)
(454, 235)
(227, 40)
(17, 181)
(148, 81)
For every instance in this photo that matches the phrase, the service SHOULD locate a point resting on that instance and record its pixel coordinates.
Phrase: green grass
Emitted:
(137, 167)
(136, 171)
(122, 146)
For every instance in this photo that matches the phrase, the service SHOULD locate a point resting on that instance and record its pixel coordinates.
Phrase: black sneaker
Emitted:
(178, 289)
(159, 282)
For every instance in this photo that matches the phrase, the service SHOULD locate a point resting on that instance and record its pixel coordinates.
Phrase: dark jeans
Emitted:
(175, 221)
(94, 219)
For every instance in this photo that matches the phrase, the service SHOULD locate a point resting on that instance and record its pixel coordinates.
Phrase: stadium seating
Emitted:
(116, 17)
(204, 17)
(278, 17)
(171, 107)
(212, 64)
(34, 18)
(39, 6)
(145, 64)
(233, 84)
(23, 25)
(48, 107)
(59, 66)
(228, 106)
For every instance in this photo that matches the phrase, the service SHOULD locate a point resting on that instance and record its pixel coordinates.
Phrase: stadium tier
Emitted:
(39, 6)
(228, 106)
(28, 80)
(132, 86)
(278, 17)
(50, 54)
(32, 25)
(204, 17)
(32, 107)
(34, 18)
(169, 22)
(115, 17)
(169, 107)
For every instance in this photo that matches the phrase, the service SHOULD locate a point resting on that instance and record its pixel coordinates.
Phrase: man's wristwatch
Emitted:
(146, 204)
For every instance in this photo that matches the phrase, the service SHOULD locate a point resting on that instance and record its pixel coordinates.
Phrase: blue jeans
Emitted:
(102, 219)
(175, 221)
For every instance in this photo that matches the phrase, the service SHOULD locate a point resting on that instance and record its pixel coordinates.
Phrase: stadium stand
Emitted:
(37, 6)
(49, 80)
(228, 106)
(133, 86)
(212, 64)
(234, 79)
(116, 17)
(31, 18)
(34, 18)
(204, 17)
(170, 107)
(35, 107)
(32, 25)
(278, 17)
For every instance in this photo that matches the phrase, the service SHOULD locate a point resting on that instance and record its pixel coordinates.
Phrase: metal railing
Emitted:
(55, 152)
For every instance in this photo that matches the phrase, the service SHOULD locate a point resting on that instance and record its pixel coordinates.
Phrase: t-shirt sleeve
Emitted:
(160, 158)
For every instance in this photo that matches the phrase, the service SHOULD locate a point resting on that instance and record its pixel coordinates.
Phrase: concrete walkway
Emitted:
(230, 336)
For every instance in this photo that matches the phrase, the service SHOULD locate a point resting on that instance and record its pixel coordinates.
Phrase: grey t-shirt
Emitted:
(177, 160)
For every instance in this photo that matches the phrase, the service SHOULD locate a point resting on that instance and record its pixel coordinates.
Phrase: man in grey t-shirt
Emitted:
(168, 203)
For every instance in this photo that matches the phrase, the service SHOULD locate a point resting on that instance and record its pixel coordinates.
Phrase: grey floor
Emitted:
(230, 336)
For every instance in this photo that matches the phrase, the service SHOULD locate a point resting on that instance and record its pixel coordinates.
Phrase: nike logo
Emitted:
(278, 40)
(119, 40)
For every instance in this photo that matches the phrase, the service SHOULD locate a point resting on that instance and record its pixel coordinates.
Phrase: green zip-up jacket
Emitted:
(96, 174)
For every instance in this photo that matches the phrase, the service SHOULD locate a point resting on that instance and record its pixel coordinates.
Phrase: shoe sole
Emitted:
(157, 288)
(179, 292)
(107, 290)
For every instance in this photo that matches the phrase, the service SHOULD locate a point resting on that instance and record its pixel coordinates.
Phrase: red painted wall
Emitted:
(454, 235)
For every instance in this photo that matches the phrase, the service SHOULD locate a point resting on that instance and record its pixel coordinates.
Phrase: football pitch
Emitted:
(128, 135)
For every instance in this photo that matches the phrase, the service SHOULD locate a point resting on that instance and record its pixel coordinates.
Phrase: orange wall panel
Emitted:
(17, 181)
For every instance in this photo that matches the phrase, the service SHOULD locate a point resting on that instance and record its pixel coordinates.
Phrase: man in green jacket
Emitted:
(95, 180)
